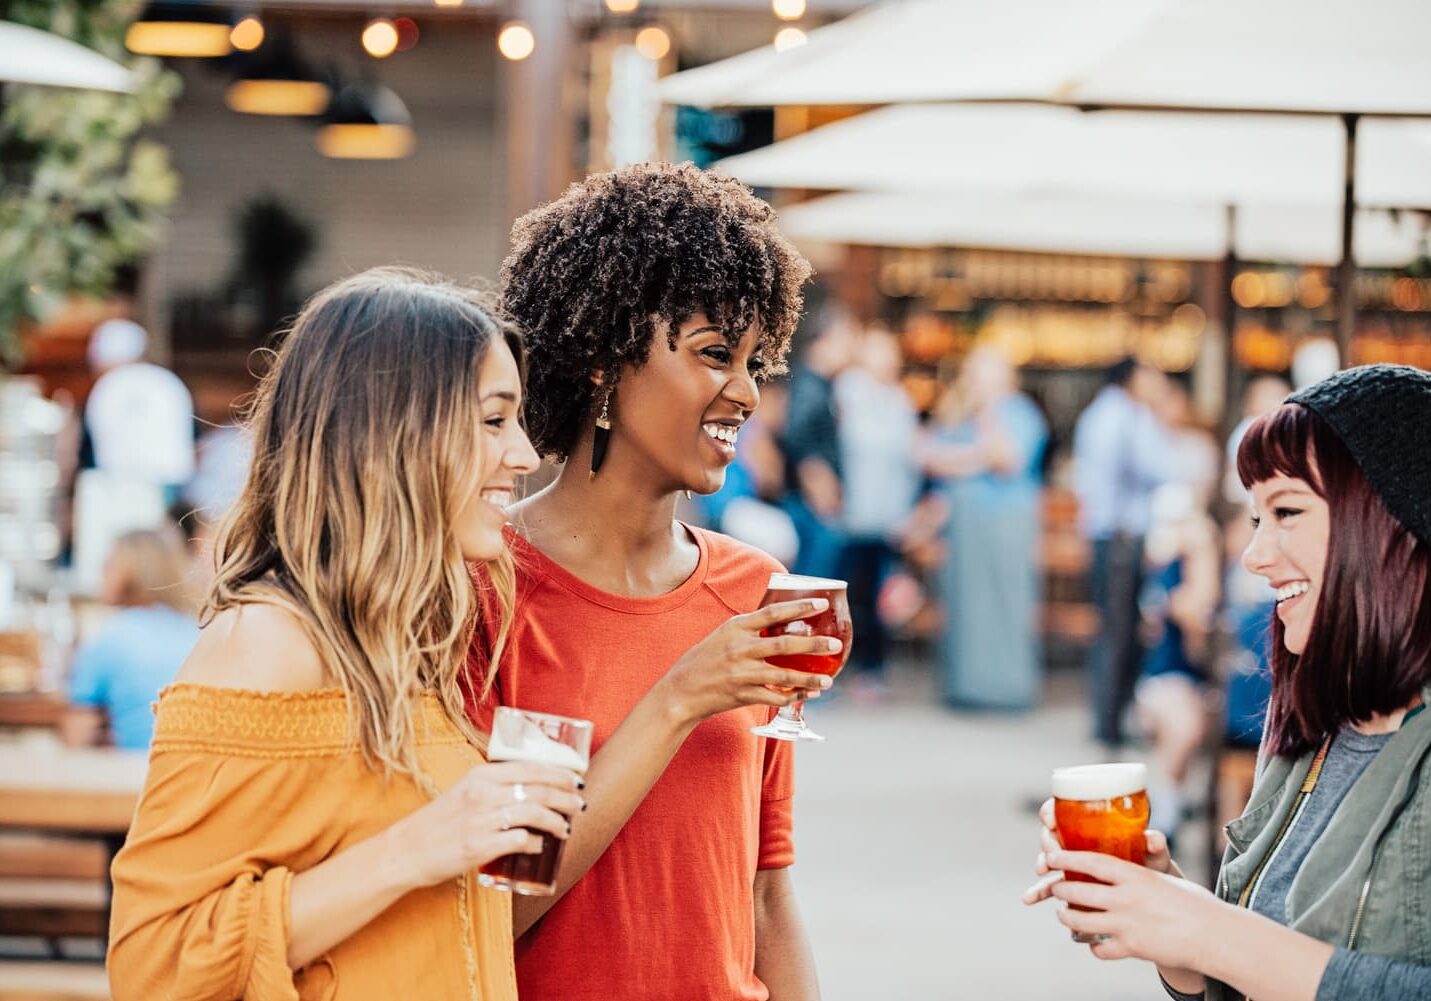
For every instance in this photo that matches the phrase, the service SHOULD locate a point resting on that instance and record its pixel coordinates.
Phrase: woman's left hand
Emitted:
(1144, 914)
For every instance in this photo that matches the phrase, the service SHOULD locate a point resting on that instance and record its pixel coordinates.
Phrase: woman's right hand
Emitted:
(729, 669)
(1157, 858)
(492, 811)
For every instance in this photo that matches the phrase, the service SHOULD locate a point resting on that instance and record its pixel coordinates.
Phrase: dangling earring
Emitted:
(601, 434)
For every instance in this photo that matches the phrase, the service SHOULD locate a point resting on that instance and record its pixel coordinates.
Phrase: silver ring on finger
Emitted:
(506, 819)
(519, 792)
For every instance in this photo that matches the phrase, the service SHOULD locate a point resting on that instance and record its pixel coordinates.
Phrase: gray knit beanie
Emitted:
(1382, 413)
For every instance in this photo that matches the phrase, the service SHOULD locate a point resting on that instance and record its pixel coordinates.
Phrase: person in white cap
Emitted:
(140, 416)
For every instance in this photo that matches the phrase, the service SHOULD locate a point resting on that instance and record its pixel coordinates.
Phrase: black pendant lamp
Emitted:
(181, 30)
(274, 80)
(366, 121)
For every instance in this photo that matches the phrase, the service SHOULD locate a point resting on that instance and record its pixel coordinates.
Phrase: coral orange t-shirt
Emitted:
(668, 911)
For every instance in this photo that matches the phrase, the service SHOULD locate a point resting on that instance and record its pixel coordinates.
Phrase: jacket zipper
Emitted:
(1361, 906)
(1308, 784)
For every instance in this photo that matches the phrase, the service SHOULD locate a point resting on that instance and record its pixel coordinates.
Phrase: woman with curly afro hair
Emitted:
(653, 299)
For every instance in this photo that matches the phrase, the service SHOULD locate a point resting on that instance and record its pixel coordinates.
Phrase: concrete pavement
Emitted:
(915, 838)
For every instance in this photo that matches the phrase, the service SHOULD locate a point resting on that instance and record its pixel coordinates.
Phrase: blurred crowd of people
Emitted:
(937, 519)
(839, 475)
(150, 484)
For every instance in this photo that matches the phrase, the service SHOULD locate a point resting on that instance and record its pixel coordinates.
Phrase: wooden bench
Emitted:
(29, 854)
(23, 980)
(56, 891)
(53, 908)
(53, 886)
(31, 709)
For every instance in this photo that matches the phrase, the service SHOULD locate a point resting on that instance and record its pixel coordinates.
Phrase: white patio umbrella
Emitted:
(1309, 56)
(1028, 149)
(29, 55)
(1106, 226)
(1324, 57)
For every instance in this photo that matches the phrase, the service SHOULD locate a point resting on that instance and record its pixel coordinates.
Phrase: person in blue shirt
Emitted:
(117, 673)
(1121, 454)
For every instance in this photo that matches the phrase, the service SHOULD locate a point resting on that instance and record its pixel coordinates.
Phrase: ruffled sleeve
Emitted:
(200, 907)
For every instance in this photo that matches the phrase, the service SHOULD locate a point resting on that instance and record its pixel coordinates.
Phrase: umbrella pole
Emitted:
(1231, 368)
(1346, 272)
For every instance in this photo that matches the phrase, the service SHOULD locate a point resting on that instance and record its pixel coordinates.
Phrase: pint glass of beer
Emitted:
(519, 735)
(1102, 808)
(789, 723)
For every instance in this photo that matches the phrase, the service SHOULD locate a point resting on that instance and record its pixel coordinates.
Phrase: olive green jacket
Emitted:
(1366, 884)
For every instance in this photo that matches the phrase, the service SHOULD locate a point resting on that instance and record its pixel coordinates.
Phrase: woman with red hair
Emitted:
(1325, 889)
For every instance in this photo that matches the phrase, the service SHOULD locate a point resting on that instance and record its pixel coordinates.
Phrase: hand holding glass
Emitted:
(789, 723)
(1102, 808)
(519, 735)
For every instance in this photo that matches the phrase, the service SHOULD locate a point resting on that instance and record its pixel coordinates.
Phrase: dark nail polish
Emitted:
(580, 784)
(583, 806)
(568, 828)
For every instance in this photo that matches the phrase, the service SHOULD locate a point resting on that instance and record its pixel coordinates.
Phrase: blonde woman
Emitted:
(138, 650)
(316, 802)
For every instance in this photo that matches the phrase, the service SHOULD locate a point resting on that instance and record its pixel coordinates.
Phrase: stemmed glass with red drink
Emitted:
(789, 723)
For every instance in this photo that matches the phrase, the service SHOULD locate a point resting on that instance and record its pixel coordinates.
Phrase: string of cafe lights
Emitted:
(183, 31)
(657, 42)
(272, 80)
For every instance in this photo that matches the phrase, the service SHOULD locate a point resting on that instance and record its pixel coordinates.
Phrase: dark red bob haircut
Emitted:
(1369, 651)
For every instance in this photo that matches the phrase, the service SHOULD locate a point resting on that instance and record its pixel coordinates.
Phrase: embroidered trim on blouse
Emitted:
(275, 724)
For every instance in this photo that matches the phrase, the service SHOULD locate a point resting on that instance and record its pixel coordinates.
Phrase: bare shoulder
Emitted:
(258, 647)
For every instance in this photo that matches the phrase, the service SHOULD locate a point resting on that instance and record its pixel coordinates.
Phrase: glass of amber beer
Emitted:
(1102, 808)
(789, 723)
(519, 735)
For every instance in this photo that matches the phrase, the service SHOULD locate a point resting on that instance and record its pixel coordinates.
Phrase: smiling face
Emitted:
(677, 417)
(1292, 529)
(504, 455)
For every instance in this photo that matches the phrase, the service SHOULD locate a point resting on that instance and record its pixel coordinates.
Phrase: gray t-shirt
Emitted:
(1349, 975)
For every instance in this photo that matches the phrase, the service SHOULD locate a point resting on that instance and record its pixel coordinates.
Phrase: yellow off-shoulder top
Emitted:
(244, 790)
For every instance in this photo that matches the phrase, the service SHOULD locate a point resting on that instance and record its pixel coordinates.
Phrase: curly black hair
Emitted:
(592, 275)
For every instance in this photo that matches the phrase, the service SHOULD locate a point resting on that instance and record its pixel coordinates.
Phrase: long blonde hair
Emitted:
(150, 566)
(366, 434)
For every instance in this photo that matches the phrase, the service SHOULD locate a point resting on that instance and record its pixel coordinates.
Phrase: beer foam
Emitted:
(798, 582)
(1093, 782)
(517, 739)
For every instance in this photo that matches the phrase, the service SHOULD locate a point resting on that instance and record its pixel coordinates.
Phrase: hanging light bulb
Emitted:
(247, 35)
(788, 10)
(789, 38)
(181, 31)
(515, 41)
(653, 43)
(380, 38)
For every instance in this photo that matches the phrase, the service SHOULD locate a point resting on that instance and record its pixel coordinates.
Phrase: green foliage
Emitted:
(81, 195)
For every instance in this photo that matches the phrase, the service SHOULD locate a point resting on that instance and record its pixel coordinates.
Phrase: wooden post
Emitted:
(537, 119)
